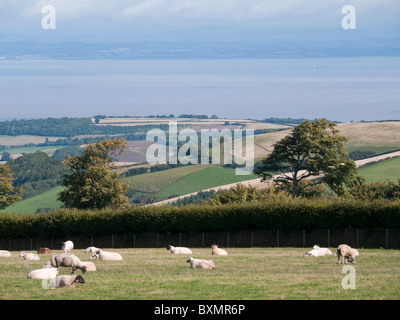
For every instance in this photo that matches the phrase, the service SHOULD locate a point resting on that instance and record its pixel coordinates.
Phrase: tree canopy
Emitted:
(92, 183)
(8, 194)
(313, 153)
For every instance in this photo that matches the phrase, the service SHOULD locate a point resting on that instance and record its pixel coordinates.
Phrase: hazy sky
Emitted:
(138, 20)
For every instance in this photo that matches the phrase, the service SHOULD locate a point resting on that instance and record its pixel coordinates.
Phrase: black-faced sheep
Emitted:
(66, 281)
(66, 260)
(345, 253)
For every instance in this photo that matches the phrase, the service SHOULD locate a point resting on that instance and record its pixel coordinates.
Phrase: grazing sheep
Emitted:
(47, 273)
(324, 250)
(179, 250)
(218, 251)
(29, 256)
(92, 250)
(44, 251)
(345, 253)
(66, 281)
(66, 260)
(90, 266)
(4, 253)
(67, 246)
(200, 264)
(107, 255)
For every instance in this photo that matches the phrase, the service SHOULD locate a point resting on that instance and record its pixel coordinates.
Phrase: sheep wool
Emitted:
(179, 250)
(218, 251)
(66, 281)
(200, 263)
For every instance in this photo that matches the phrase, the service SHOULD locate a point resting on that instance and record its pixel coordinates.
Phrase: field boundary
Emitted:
(302, 238)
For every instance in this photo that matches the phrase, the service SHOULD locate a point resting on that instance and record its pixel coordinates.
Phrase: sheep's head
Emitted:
(79, 279)
(316, 246)
(95, 256)
(214, 246)
(169, 247)
(188, 259)
(22, 254)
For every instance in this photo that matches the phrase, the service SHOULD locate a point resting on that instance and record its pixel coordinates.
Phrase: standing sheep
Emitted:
(345, 253)
(29, 256)
(66, 281)
(218, 251)
(66, 260)
(200, 264)
(179, 250)
(67, 246)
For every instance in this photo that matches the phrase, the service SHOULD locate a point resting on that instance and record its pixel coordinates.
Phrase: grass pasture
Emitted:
(382, 170)
(246, 274)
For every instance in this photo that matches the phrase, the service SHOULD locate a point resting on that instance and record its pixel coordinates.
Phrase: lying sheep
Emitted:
(90, 266)
(67, 246)
(355, 251)
(29, 256)
(324, 250)
(179, 250)
(218, 251)
(44, 251)
(314, 252)
(107, 255)
(47, 273)
(92, 250)
(345, 253)
(66, 281)
(4, 254)
(200, 264)
(66, 260)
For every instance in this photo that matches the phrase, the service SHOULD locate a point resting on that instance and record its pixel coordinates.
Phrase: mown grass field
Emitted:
(246, 274)
(382, 170)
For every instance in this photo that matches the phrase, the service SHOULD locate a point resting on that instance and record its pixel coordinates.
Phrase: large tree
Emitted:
(8, 193)
(313, 153)
(92, 183)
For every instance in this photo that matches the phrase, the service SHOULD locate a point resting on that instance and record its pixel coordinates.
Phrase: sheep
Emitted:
(345, 253)
(107, 255)
(66, 281)
(356, 253)
(67, 246)
(324, 250)
(218, 251)
(4, 254)
(90, 266)
(47, 273)
(179, 250)
(200, 264)
(66, 260)
(314, 252)
(29, 256)
(44, 251)
(92, 250)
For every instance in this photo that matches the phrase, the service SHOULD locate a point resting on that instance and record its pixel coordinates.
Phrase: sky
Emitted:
(191, 20)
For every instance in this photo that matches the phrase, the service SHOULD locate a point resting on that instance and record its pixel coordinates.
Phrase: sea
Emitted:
(339, 89)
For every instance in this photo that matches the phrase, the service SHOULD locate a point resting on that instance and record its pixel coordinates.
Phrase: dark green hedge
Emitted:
(275, 214)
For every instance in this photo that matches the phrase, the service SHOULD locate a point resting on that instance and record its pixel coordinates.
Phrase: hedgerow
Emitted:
(273, 214)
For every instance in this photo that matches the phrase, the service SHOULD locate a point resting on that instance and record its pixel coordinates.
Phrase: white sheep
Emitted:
(179, 250)
(29, 256)
(200, 264)
(66, 260)
(324, 250)
(345, 253)
(355, 251)
(92, 250)
(46, 273)
(90, 266)
(314, 252)
(107, 255)
(218, 251)
(4, 254)
(67, 246)
(66, 281)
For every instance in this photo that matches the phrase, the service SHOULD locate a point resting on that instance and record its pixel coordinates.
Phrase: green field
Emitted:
(245, 274)
(45, 200)
(382, 170)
